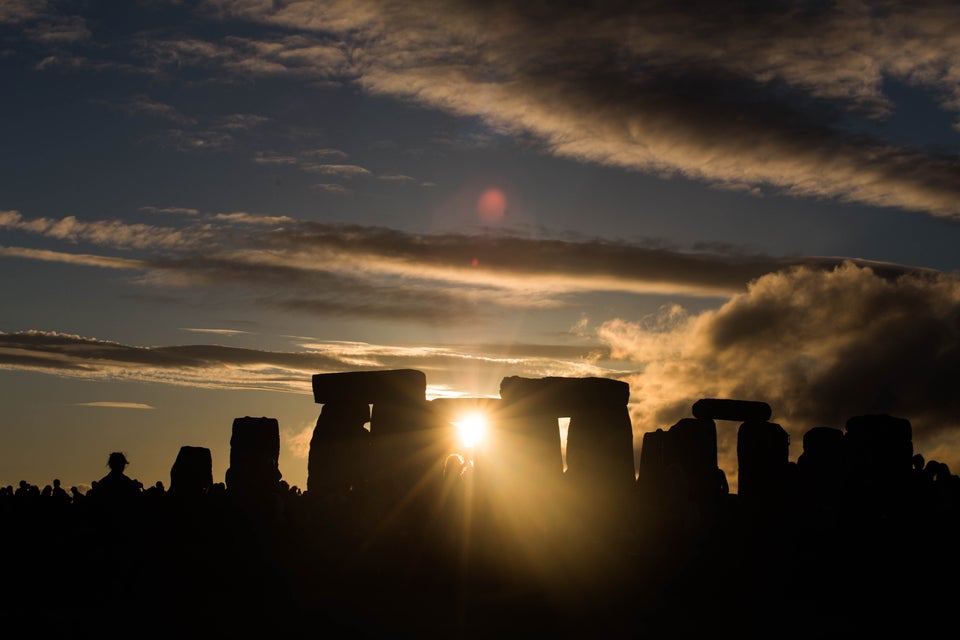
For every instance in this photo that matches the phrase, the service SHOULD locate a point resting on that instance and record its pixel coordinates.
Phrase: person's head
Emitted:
(117, 461)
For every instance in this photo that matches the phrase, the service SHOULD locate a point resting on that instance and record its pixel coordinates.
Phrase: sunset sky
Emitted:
(204, 203)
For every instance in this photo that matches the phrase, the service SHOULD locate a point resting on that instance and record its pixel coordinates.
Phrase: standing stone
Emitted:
(600, 446)
(691, 449)
(254, 456)
(763, 456)
(192, 472)
(652, 471)
(822, 463)
(339, 459)
(880, 460)
(531, 428)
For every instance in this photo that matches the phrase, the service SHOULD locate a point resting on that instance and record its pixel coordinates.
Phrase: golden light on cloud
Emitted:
(116, 405)
(492, 205)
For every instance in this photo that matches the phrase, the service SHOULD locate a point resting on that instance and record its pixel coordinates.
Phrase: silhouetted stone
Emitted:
(370, 387)
(254, 455)
(340, 454)
(565, 396)
(192, 472)
(600, 434)
(600, 446)
(529, 425)
(652, 470)
(823, 459)
(880, 442)
(408, 453)
(736, 410)
(691, 447)
(763, 455)
(879, 450)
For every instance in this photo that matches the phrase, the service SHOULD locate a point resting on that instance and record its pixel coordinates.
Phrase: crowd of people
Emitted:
(467, 561)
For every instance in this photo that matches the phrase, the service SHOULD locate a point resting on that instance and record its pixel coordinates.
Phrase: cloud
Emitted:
(187, 141)
(215, 366)
(81, 259)
(324, 153)
(819, 346)
(180, 211)
(298, 440)
(145, 105)
(18, 11)
(57, 29)
(298, 55)
(396, 177)
(276, 159)
(115, 405)
(345, 270)
(222, 332)
(111, 233)
(241, 121)
(209, 366)
(332, 187)
(760, 99)
(306, 161)
(242, 217)
(785, 98)
(339, 170)
(41, 22)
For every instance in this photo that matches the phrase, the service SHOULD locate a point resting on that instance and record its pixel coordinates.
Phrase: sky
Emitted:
(204, 203)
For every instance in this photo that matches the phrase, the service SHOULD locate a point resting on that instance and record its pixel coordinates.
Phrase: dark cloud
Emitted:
(374, 272)
(757, 97)
(752, 96)
(819, 345)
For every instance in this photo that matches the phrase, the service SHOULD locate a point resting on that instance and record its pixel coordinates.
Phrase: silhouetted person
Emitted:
(116, 488)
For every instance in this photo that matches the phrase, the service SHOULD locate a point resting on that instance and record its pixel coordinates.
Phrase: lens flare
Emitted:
(492, 205)
(472, 428)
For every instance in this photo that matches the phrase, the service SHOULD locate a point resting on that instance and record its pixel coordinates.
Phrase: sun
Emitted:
(472, 428)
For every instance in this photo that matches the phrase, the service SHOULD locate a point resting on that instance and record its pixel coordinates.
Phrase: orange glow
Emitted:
(472, 428)
(492, 205)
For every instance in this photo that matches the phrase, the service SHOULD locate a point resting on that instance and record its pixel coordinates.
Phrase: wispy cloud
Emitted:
(339, 170)
(309, 160)
(191, 141)
(332, 187)
(180, 211)
(243, 217)
(374, 272)
(758, 99)
(215, 366)
(115, 405)
(241, 121)
(81, 259)
(782, 99)
(18, 11)
(324, 153)
(144, 105)
(111, 233)
(220, 332)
